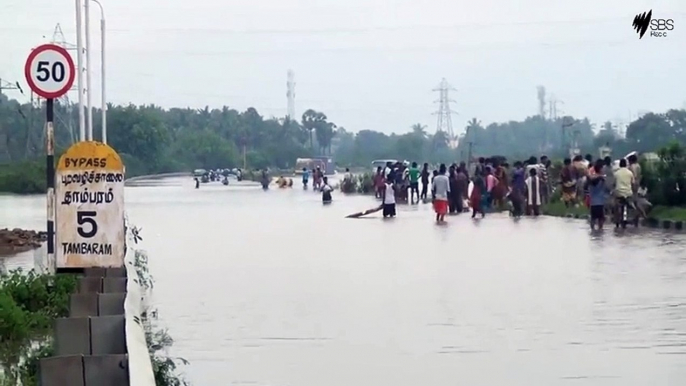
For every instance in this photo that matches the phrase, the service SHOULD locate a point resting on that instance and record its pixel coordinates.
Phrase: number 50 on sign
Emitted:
(50, 71)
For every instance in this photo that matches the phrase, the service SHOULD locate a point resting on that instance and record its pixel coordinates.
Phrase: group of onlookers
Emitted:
(601, 185)
(526, 186)
(523, 186)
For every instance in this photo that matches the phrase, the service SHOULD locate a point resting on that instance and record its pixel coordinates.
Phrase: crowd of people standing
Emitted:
(526, 186)
(600, 185)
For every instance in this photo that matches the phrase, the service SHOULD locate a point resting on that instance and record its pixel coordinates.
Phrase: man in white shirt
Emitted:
(441, 191)
(387, 169)
(624, 181)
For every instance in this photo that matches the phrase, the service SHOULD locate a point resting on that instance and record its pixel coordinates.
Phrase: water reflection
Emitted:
(273, 288)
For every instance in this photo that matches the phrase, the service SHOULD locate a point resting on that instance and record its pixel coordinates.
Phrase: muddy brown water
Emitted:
(273, 288)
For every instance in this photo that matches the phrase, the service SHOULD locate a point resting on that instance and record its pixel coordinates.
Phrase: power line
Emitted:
(5, 85)
(378, 50)
(358, 30)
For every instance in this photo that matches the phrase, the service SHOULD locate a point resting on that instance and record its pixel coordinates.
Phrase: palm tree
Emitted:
(440, 140)
(419, 130)
(311, 120)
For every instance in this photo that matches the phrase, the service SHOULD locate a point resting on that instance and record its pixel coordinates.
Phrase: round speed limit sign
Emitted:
(49, 71)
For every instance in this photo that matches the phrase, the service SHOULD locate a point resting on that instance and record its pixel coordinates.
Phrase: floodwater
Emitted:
(273, 288)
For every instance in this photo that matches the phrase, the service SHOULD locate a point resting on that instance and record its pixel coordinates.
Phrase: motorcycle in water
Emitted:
(625, 213)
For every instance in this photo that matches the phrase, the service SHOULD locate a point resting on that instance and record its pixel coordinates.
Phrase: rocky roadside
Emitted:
(17, 240)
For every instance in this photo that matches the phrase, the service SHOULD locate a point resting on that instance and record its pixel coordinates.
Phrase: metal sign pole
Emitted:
(50, 167)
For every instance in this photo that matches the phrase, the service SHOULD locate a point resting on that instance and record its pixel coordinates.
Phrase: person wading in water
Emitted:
(568, 181)
(326, 190)
(379, 183)
(461, 186)
(518, 190)
(425, 180)
(478, 192)
(452, 197)
(414, 173)
(388, 199)
(265, 179)
(598, 196)
(306, 177)
(441, 192)
(491, 183)
(533, 193)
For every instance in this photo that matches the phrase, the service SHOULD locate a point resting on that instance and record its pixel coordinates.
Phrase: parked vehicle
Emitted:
(309, 163)
(328, 167)
(381, 163)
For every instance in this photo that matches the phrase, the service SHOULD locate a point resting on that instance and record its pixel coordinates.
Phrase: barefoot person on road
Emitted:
(441, 192)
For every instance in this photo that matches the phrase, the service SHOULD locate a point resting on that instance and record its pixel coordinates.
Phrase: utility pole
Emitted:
(59, 39)
(565, 124)
(552, 110)
(444, 113)
(89, 68)
(79, 71)
(290, 94)
(541, 101)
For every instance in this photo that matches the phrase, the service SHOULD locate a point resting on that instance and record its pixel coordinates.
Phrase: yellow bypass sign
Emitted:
(89, 207)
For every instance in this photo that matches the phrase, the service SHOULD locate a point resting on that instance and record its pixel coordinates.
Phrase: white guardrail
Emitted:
(137, 295)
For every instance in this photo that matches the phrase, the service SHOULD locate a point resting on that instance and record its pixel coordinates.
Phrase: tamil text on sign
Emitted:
(90, 207)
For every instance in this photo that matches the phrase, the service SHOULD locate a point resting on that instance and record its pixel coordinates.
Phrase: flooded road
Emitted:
(273, 288)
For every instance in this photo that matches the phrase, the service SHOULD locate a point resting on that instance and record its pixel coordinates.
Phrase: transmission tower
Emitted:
(444, 113)
(68, 121)
(290, 94)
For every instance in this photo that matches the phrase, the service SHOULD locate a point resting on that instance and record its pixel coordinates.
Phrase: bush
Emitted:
(23, 178)
(349, 186)
(665, 179)
(362, 183)
(29, 304)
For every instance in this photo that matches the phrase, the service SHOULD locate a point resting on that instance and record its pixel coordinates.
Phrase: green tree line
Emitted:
(156, 140)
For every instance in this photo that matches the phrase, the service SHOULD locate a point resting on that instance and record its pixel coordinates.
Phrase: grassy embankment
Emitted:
(558, 209)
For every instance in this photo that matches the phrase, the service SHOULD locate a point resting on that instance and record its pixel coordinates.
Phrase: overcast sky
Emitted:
(372, 64)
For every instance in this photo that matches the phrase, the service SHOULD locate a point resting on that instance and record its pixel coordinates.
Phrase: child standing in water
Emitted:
(388, 197)
(306, 177)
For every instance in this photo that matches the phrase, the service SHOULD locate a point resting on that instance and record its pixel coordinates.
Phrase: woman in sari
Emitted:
(478, 193)
(568, 181)
(461, 187)
(518, 187)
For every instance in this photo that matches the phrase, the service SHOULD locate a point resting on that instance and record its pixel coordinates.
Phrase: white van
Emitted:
(381, 163)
